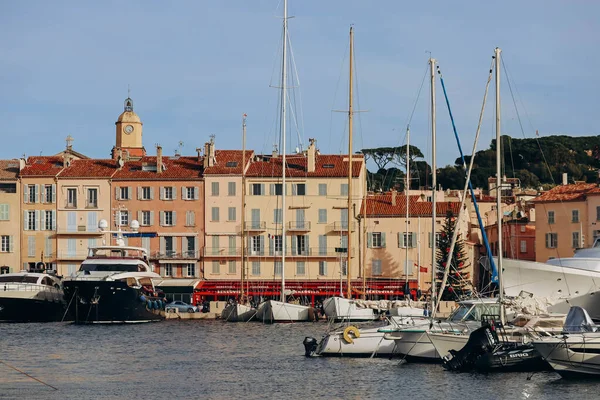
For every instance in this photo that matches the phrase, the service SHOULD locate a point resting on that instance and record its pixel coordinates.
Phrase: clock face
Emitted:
(128, 129)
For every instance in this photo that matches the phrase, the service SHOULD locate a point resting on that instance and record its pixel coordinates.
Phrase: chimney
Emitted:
(22, 162)
(159, 160)
(565, 181)
(199, 151)
(275, 152)
(394, 197)
(209, 153)
(311, 153)
(66, 159)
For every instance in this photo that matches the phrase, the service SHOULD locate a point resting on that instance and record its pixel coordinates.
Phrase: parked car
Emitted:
(181, 307)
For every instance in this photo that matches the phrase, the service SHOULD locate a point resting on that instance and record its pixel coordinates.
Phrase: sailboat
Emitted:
(271, 311)
(241, 311)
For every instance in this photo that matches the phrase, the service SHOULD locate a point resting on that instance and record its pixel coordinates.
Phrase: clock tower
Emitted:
(129, 133)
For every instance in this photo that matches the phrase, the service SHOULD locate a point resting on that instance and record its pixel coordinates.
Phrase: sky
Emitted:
(195, 67)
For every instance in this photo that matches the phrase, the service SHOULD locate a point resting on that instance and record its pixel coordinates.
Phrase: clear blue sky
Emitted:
(195, 67)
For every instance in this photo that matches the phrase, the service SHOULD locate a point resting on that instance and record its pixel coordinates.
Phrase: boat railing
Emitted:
(27, 287)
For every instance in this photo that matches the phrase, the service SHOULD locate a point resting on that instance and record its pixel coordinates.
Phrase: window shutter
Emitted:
(193, 218)
(25, 193)
(53, 193)
(382, 239)
(294, 189)
(37, 220)
(151, 222)
(262, 244)
(400, 237)
(43, 190)
(161, 216)
(11, 244)
(174, 191)
(307, 250)
(139, 193)
(162, 193)
(162, 244)
(129, 192)
(262, 189)
(547, 240)
(174, 218)
(139, 215)
(183, 193)
(53, 220)
(37, 193)
(174, 243)
(369, 240)
(430, 239)
(414, 239)
(272, 189)
(196, 193)
(151, 193)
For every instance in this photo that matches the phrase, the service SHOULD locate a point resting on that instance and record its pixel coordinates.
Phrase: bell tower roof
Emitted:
(128, 115)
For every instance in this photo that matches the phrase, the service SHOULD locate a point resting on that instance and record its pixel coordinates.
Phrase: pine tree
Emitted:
(457, 284)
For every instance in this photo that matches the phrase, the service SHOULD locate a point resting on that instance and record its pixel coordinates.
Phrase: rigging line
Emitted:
(294, 73)
(335, 96)
(410, 117)
(27, 375)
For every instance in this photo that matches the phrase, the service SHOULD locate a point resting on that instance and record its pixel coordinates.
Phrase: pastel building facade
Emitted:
(10, 216)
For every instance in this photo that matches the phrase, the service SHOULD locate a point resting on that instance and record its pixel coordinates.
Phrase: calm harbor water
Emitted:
(217, 360)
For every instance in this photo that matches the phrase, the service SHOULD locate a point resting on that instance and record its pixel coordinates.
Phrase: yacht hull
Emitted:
(238, 313)
(92, 301)
(414, 345)
(272, 311)
(17, 309)
(342, 309)
(444, 342)
(371, 343)
(572, 356)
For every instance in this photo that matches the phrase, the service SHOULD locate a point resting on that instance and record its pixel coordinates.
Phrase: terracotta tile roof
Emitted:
(176, 168)
(380, 205)
(9, 169)
(88, 168)
(42, 166)
(576, 192)
(334, 166)
(223, 158)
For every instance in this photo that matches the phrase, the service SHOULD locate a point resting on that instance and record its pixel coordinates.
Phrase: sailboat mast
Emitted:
(499, 184)
(243, 253)
(283, 104)
(348, 269)
(433, 185)
(407, 205)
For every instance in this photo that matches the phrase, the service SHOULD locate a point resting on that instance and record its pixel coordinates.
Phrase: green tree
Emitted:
(458, 284)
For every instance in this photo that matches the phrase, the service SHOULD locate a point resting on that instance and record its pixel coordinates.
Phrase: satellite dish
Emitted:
(103, 224)
(134, 225)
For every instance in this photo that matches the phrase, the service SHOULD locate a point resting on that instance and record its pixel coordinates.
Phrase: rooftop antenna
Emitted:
(128, 91)
(180, 147)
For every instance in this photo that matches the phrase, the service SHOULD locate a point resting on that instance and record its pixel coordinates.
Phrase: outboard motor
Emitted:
(310, 346)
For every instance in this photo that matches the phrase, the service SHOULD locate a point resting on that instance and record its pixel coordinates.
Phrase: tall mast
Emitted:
(283, 191)
(348, 269)
(433, 184)
(243, 253)
(499, 184)
(407, 192)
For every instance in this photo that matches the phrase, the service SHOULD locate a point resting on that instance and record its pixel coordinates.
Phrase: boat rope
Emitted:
(90, 308)
(469, 186)
(69, 305)
(27, 375)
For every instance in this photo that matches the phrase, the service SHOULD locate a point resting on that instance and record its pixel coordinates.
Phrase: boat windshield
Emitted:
(112, 252)
(112, 267)
(18, 279)
(474, 312)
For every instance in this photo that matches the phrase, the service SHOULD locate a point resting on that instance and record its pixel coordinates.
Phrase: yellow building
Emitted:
(10, 216)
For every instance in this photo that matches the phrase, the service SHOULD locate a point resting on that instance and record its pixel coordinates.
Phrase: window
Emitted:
(551, 240)
(575, 237)
(550, 217)
(231, 211)
(300, 268)
(168, 193)
(438, 236)
(323, 268)
(72, 197)
(146, 220)
(407, 240)
(169, 218)
(169, 246)
(575, 216)
(232, 245)
(256, 245)
(4, 212)
(232, 267)
(32, 193)
(277, 216)
(523, 246)
(215, 267)
(48, 220)
(49, 194)
(276, 189)
(31, 246)
(190, 246)
(255, 267)
(190, 193)
(231, 188)
(344, 189)
(215, 214)
(146, 193)
(523, 228)
(322, 245)
(124, 195)
(301, 245)
(92, 198)
(191, 270)
(214, 188)
(257, 189)
(215, 245)
(322, 215)
(278, 267)
(277, 244)
(299, 189)
(377, 268)
(322, 189)
(5, 244)
(344, 267)
(168, 270)
(124, 216)
(190, 218)
(30, 222)
(376, 240)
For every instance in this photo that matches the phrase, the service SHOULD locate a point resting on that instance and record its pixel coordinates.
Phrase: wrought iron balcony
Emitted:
(255, 226)
(302, 226)
(174, 255)
(342, 226)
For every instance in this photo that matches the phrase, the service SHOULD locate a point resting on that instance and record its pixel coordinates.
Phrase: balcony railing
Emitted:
(175, 255)
(272, 252)
(79, 230)
(299, 226)
(221, 251)
(71, 255)
(250, 226)
(341, 226)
